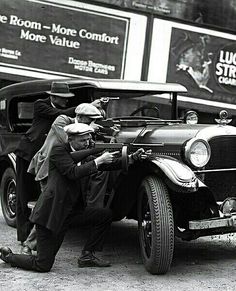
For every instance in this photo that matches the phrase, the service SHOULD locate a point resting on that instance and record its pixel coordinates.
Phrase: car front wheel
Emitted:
(8, 196)
(156, 225)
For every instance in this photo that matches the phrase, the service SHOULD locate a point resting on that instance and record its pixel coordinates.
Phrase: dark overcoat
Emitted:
(44, 115)
(63, 189)
(56, 203)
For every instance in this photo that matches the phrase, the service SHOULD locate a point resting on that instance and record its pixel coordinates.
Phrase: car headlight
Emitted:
(191, 117)
(197, 152)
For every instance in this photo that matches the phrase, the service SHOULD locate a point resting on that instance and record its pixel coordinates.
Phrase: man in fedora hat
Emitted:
(193, 62)
(45, 112)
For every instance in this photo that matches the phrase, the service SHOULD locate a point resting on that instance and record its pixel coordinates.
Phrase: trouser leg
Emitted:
(100, 221)
(25, 189)
(97, 189)
(125, 196)
(47, 248)
(31, 240)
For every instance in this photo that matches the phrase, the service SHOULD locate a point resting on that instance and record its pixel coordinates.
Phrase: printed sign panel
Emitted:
(204, 64)
(202, 60)
(51, 37)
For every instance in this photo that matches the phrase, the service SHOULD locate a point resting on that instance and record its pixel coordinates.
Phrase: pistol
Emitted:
(105, 100)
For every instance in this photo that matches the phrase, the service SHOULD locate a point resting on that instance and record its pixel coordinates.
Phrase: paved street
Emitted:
(205, 264)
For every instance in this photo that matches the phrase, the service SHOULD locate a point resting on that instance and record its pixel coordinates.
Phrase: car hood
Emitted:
(173, 133)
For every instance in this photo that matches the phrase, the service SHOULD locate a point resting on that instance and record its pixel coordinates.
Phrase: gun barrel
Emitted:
(80, 155)
(107, 99)
(108, 146)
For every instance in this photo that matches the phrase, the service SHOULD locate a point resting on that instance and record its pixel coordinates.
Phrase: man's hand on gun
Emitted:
(140, 155)
(106, 158)
(109, 157)
(96, 127)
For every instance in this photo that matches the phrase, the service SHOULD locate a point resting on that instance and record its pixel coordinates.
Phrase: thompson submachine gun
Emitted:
(101, 147)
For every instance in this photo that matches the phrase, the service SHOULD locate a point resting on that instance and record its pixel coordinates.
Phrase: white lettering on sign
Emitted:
(83, 33)
(9, 53)
(226, 68)
(83, 68)
(55, 40)
(101, 66)
(14, 20)
(227, 81)
(90, 66)
(32, 36)
(3, 19)
(227, 57)
(77, 62)
(57, 28)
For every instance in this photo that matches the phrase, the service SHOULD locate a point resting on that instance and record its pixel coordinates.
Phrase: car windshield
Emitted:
(145, 106)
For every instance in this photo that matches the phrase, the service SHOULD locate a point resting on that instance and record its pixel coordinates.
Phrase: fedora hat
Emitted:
(60, 89)
(183, 43)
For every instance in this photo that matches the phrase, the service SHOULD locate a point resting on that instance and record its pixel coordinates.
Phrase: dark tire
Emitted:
(156, 225)
(8, 196)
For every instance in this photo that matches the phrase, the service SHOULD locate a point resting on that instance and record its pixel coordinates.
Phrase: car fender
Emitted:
(12, 158)
(178, 176)
(7, 161)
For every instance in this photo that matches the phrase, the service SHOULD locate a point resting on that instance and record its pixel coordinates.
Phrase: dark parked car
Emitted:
(186, 187)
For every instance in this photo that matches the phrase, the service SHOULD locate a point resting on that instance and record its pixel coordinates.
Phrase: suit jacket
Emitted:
(44, 115)
(63, 191)
(39, 164)
(184, 78)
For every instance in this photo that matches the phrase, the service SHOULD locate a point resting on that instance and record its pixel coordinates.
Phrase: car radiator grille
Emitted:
(223, 153)
(223, 156)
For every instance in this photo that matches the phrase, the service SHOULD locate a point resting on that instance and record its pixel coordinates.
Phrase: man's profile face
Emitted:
(84, 119)
(193, 58)
(60, 102)
(79, 142)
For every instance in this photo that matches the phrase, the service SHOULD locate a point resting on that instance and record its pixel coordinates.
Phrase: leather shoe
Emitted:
(25, 250)
(87, 259)
(4, 254)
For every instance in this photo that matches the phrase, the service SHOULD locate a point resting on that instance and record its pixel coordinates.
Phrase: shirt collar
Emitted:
(73, 150)
(53, 105)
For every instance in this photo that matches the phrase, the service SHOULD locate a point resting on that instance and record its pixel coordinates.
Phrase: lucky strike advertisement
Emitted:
(40, 36)
(204, 64)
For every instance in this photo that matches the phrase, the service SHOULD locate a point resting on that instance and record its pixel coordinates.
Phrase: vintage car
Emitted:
(185, 188)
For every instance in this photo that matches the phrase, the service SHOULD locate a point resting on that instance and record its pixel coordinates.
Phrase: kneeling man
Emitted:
(57, 205)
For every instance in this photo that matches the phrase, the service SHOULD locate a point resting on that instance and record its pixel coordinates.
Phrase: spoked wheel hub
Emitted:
(11, 197)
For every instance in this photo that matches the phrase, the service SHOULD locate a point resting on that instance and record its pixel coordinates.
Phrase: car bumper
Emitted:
(214, 223)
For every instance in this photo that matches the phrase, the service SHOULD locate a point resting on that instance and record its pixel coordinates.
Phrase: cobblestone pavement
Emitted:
(204, 264)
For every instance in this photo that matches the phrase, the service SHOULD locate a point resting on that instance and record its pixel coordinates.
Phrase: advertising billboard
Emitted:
(204, 64)
(67, 38)
(202, 60)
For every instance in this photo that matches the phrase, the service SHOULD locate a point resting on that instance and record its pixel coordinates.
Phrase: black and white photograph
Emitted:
(117, 145)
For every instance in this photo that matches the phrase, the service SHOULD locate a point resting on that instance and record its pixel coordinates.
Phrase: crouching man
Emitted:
(62, 199)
